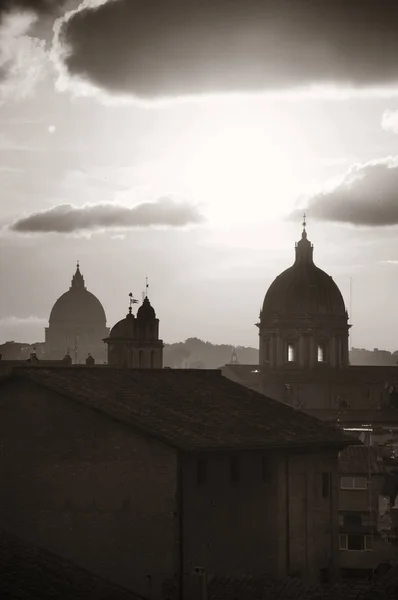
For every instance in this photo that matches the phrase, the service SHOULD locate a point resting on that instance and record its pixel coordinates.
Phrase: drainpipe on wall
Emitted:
(203, 575)
(180, 514)
(287, 474)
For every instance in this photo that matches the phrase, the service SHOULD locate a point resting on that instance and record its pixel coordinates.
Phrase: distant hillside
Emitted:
(196, 354)
(376, 357)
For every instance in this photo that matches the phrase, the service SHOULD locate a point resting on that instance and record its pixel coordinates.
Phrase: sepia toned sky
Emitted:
(182, 140)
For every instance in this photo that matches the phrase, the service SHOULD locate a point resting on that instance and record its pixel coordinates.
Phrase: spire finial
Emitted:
(78, 279)
(304, 224)
(146, 287)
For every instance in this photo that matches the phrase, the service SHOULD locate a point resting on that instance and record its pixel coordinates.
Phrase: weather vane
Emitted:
(132, 301)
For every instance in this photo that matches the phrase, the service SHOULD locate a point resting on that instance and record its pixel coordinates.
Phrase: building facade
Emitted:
(303, 343)
(368, 505)
(151, 477)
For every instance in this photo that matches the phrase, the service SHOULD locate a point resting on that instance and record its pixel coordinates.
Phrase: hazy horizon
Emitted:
(186, 150)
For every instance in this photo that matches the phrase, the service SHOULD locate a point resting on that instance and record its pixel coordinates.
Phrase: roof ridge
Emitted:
(192, 411)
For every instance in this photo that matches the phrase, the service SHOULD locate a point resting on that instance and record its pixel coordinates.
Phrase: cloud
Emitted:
(31, 320)
(168, 48)
(366, 195)
(34, 6)
(23, 59)
(389, 121)
(66, 218)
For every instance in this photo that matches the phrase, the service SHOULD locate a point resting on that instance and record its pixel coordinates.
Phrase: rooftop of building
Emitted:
(191, 409)
(383, 587)
(31, 573)
(357, 460)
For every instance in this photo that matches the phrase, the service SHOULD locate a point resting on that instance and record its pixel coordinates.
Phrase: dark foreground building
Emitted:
(151, 477)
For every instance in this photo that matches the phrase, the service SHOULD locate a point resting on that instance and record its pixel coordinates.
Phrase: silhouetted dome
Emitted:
(303, 289)
(124, 328)
(146, 311)
(78, 306)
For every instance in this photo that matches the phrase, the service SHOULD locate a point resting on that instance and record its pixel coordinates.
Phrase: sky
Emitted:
(182, 141)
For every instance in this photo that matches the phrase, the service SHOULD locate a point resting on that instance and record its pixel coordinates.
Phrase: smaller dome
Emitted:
(146, 311)
(125, 328)
(302, 290)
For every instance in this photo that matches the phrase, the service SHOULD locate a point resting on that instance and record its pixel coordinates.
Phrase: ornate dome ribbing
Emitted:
(78, 306)
(303, 289)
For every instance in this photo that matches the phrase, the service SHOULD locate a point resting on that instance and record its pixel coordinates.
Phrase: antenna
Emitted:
(350, 310)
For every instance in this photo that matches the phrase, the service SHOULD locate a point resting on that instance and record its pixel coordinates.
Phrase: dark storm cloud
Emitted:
(367, 195)
(65, 218)
(37, 6)
(155, 48)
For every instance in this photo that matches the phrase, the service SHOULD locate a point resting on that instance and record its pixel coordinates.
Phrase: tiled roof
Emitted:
(289, 588)
(247, 375)
(356, 416)
(361, 459)
(192, 409)
(386, 588)
(28, 572)
(353, 374)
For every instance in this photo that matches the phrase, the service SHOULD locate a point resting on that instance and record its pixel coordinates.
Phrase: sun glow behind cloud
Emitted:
(242, 174)
(242, 164)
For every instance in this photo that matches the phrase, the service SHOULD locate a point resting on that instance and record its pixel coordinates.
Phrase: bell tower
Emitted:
(303, 323)
(134, 341)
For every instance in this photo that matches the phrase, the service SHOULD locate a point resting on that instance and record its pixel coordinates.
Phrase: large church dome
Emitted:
(303, 290)
(78, 306)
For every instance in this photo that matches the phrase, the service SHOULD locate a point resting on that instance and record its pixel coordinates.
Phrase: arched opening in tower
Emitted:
(321, 353)
(290, 353)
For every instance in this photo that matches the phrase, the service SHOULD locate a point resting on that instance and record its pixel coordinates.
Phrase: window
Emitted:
(325, 485)
(265, 470)
(359, 543)
(152, 358)
(290, 353)
(201, 471)
(140, 358)
(353, 483)
(321, 353)
(234, 469)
